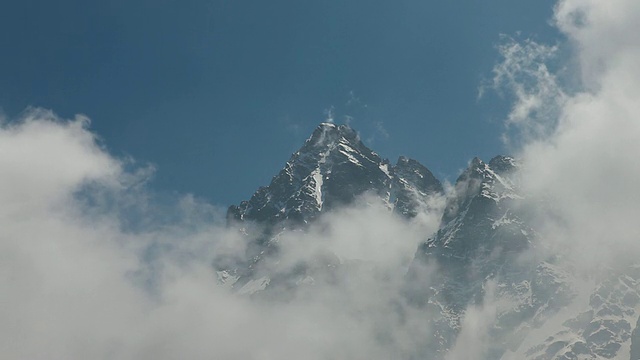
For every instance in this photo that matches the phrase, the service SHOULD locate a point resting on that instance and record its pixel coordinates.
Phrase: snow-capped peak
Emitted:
(331, 169)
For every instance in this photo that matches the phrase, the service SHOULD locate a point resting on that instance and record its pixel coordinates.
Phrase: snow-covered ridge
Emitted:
(331, 169)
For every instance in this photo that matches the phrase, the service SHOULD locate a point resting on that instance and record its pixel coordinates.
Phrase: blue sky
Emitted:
(218, 94)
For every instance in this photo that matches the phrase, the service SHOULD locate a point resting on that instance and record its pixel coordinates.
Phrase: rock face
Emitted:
(479, 259)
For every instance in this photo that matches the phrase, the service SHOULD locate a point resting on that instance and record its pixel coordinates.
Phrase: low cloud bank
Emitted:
(81, 279)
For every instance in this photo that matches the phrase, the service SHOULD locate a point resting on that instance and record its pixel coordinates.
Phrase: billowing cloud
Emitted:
(79, 280)
(587, 164)
(575, 124)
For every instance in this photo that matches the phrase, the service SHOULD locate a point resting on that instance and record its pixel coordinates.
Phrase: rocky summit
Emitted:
(540, 307)
(332, 169)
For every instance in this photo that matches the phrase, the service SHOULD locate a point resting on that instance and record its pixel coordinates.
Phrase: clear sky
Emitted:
(218, 94)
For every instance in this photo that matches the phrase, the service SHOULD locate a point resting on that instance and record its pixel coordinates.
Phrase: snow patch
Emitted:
(254, 286)
(346, 150)
(318, 181)
(504, 220)
(385, 169)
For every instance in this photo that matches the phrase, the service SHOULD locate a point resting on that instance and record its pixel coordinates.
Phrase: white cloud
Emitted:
(588, 163)
(329, 114)
(603, 35)
(579, 143)
(76, 281)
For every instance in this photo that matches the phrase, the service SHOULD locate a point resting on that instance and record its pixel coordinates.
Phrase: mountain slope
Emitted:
(486, 264)
(482, 234)
(331, 170)
(488, 254)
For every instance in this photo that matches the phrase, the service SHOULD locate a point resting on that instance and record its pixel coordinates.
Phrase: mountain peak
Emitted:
(476, 162)
(329, 133)
(502, 163)
(332, 169)
(403, 160)
(413, 171)
(479, 169)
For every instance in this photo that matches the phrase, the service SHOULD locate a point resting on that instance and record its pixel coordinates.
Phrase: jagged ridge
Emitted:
(332, 169)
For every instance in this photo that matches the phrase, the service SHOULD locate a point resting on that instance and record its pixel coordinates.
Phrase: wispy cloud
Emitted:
(329, 114)
(535, 91)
